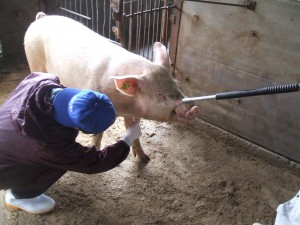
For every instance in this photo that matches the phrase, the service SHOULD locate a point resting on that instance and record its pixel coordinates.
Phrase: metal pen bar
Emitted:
(148, 10)
(248, 4)
(75, 13)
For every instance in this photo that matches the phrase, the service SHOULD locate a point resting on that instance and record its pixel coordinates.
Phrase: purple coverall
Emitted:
(35, 150)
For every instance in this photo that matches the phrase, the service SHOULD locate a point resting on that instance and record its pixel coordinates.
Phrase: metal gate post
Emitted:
(175, 25)
(118, 16)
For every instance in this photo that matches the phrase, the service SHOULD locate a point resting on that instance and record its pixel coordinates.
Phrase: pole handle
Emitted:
(262, 91)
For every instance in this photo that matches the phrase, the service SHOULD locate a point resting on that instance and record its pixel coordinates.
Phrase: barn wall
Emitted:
(15, 17)
(220, 48)
(225, 48)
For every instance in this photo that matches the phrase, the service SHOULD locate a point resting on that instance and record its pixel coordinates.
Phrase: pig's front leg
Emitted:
(97, 140)
(136, 145)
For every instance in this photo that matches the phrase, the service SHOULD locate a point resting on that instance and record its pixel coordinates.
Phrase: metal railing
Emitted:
(135, 24)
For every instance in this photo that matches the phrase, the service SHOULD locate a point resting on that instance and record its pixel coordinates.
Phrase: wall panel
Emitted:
(225, 48)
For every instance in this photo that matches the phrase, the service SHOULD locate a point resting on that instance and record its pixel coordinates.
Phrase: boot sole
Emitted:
(12, 207)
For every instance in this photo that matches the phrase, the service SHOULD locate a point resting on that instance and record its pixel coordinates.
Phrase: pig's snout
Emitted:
(186, 112)
(192, 113)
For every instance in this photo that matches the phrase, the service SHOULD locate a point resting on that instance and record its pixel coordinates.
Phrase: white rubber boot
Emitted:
(38, 205)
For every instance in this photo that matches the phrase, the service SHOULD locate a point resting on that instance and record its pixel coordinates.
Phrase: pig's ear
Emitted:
(160, 54)
(127, 84)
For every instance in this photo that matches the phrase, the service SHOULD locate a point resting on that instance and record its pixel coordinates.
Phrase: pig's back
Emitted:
(59, 29)
(64, 47)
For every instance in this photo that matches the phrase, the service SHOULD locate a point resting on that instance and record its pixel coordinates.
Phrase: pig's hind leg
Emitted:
(136, 145)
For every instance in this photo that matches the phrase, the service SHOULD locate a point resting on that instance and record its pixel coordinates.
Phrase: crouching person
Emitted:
(39, 123)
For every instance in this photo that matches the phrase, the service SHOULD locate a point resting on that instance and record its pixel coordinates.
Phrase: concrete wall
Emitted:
(15, 17)
(224, 48)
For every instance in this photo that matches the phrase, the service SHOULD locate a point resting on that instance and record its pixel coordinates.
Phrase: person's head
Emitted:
(89, 111)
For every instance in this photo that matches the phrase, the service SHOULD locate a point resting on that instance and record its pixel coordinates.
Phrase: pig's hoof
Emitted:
(144, 158)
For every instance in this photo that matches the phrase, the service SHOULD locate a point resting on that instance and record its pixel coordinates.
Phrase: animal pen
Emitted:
(214, 46)
(135, 25)
(198, 173)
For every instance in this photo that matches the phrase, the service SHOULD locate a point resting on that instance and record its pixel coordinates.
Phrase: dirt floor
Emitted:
(198, 175)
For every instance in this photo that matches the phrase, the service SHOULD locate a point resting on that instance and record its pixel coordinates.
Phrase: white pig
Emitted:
(81, 58)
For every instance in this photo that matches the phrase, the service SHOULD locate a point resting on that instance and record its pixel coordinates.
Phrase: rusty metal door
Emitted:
(140, 23)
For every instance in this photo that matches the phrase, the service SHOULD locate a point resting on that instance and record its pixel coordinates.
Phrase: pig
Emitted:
(81, 58)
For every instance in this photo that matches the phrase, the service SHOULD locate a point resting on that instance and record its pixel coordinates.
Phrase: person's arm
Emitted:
(90, 160)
